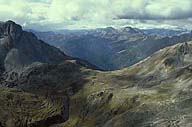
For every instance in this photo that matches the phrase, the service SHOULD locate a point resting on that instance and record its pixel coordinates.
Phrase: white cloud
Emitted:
(154, 9)
(58, 14)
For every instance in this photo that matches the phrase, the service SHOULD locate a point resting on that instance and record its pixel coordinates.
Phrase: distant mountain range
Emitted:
(164, 32)
(110, 48)
(42, 87)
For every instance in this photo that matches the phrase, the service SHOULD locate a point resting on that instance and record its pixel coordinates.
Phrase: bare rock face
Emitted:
(11, 33)
(19, 48)
(11, 29)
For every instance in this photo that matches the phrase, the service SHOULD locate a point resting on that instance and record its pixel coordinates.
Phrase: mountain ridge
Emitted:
(36, 79)
(110, 48)
(18, 44)
(154, 92)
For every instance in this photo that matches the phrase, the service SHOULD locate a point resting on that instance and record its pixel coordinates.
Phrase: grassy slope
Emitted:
(154, 92)
(147, 94)
(18, 108)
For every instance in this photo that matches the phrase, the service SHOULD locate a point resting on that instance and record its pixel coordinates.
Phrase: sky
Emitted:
(89, 14)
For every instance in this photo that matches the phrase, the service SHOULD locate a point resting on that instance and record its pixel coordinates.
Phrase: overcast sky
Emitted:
(77, 14)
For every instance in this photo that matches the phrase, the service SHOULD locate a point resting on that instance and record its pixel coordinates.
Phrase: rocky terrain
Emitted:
(19, 48)
(35, 79)
(152, 93)
(112, 49)
(155, 92)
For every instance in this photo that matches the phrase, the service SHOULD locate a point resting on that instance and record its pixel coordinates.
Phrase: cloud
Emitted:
(22, 11)
(59, 14)
(154, 9)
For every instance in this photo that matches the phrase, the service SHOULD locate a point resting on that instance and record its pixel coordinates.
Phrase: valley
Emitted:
(56, 90)
(110, 48)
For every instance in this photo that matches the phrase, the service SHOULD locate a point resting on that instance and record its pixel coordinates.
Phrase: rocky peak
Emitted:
(11, 32)
(106, 30)
(11, 29)
(184, 48)
(131, 30)
(19, 48)
(128, 28)
(110, 29)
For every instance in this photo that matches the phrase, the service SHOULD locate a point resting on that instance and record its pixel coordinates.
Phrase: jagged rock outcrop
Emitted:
(95, 102)
(61, 117)
(19, 48)
(11, 33)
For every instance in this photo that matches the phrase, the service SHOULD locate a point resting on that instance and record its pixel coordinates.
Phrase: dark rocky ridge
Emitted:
(19, 48)
(36, 79)
(48, 87)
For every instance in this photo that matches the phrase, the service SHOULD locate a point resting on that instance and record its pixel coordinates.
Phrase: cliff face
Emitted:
(19, 48)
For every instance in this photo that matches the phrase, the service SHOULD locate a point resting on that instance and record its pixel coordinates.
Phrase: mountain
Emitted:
(39, 95)
(35, 79)
(155, 92)
(19, 48)
(110, 48)
(42, 87)
(164, 32)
